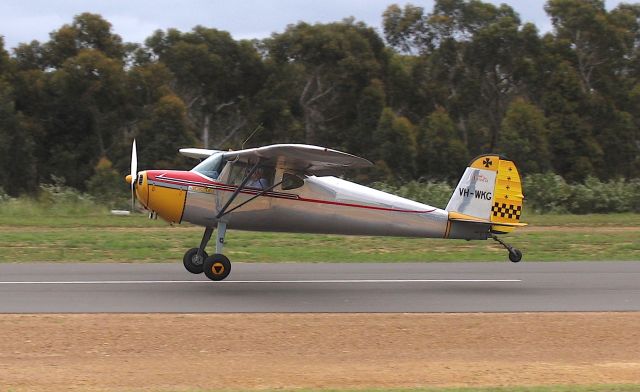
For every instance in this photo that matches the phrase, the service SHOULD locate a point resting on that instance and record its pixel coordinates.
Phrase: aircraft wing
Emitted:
(309, 159)
(198, 153)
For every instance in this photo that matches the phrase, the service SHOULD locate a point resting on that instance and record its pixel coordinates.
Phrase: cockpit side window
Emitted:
(291, 181)
(262, 178)
(210, 167)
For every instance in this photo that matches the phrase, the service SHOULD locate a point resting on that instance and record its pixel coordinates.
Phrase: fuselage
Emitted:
(319, 205)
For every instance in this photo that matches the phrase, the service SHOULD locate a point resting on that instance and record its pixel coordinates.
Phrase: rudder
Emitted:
(508, 197)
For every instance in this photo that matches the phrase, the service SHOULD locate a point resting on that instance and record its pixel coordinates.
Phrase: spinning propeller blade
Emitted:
(134, 174)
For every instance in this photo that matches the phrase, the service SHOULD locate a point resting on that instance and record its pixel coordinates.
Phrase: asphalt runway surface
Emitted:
(353, 287)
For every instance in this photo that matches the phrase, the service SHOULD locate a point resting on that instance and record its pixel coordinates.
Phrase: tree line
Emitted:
(420, 99)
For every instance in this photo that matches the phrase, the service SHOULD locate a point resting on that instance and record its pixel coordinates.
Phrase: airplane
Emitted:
(293, 188)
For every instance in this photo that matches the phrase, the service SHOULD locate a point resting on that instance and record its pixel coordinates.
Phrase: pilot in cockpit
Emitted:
(258, 180)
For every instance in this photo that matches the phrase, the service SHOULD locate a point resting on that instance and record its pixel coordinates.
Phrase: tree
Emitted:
(395, 139)
(17, 164)
(4, 59)
(492, 58)
(89, 109)
(369, 109)
(16, 146)
(216, 77)
(87, 31)
(475, 55)
(472, 76)
(106, 184)
(406, 30)
(441, 153)
(162, 132)
(525, 136)
(617, 136)
(598, 39)
(30, 56)
(331, 66)
(576, 152)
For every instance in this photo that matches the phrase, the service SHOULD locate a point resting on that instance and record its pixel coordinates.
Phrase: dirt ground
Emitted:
(156, 352)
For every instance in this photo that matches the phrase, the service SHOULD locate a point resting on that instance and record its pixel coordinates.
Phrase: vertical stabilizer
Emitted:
(489, 190)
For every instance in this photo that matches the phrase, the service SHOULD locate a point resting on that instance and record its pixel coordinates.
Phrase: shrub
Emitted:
(107, 186)
(546, 192)
(595, 196)
(3, 195)
(64, 199)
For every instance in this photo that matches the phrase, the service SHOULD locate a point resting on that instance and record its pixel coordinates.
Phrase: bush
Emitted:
(64, 199)
(546, 193)
(3, 195)
(634, 186)
(107, 186)
(595, 196)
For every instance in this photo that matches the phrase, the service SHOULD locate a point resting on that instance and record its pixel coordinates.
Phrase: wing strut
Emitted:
(253, 198)
(238, 189)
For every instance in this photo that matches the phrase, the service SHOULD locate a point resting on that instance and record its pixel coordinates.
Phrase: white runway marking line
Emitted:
(267, 281)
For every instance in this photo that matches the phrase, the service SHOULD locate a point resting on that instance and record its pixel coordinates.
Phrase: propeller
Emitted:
(134, 174)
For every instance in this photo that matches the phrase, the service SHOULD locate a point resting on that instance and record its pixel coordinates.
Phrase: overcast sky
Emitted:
(135, 20)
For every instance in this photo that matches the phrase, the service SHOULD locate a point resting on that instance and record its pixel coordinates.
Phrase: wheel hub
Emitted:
(197, 260)
(217, 268)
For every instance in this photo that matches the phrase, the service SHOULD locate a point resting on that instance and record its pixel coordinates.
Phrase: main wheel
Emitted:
(192, 262)
(217, 267)
(515, 255)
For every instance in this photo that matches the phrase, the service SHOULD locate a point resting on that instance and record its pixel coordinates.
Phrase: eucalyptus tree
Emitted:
(395, 141)
(441, 148)
(601, 47)
(333, 70)
(215, 75)
(17, 165)
(474, 58)
(525, 137)
(72, 88)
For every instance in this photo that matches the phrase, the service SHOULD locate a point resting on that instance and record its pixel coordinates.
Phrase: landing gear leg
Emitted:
(194, 258)
(218, 266)
(514, 254)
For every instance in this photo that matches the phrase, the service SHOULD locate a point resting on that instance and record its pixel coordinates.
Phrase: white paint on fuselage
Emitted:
(349, 192)
(326, 205)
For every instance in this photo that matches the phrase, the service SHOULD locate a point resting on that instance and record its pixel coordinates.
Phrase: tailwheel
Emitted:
(514, 254)
(217, 267)
(193, 261)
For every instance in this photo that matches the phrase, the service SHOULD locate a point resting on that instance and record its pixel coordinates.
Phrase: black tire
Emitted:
(217, 267)
(515, 255)
(191, 261)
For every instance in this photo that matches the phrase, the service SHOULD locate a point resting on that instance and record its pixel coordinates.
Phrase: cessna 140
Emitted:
(290, 188)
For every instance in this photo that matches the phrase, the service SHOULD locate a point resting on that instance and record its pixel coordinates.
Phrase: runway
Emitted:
(353, 287)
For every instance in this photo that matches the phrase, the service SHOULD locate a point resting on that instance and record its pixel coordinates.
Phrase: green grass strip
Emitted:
(29, 233)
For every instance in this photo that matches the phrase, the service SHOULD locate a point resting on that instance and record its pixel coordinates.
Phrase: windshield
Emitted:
(210, 167)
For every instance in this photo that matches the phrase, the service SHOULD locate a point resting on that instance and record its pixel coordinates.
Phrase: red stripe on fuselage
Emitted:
(183, 178)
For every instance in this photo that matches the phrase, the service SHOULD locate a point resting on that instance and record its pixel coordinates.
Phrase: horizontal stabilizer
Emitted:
(456, 216)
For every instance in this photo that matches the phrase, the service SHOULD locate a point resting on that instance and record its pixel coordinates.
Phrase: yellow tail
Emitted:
(489, 191)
